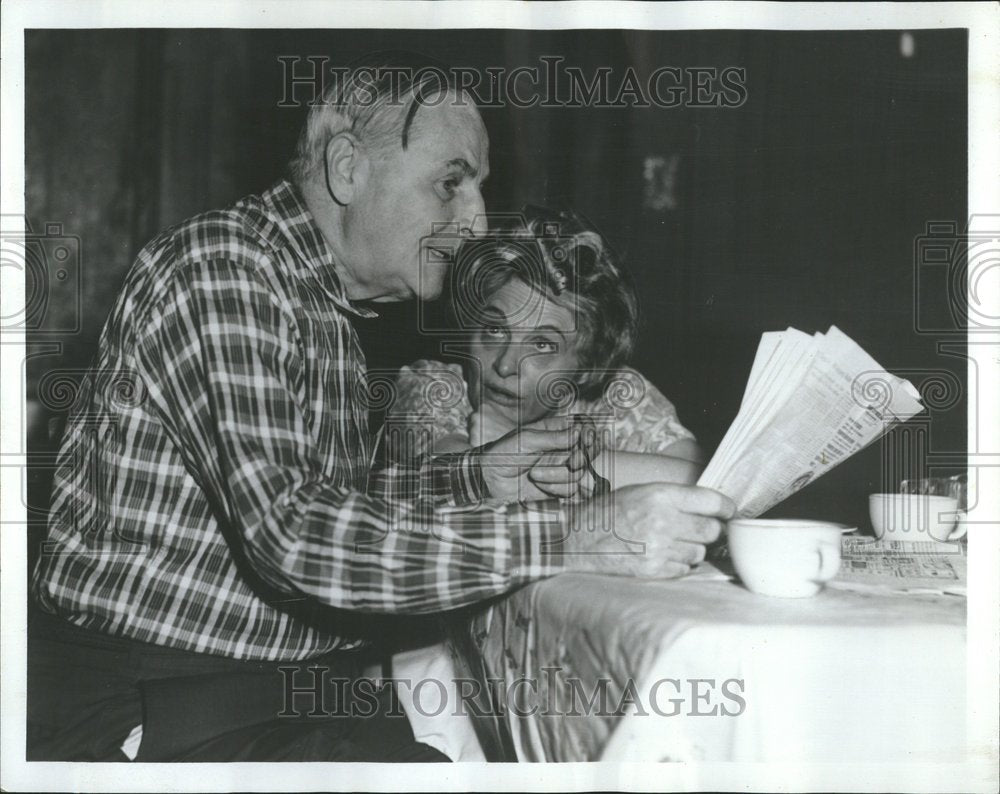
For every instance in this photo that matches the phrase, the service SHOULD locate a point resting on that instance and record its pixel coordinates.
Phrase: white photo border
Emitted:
(978, 774)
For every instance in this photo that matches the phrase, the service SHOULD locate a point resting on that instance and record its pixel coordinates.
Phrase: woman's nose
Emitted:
(505, 362)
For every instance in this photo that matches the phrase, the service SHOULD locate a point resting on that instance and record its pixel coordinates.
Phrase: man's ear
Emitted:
(347, 167)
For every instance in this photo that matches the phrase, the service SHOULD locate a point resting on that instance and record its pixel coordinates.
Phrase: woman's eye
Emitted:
(493, 330)
(544, 346)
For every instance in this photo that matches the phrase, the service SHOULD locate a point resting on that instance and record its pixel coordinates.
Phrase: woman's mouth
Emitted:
(501, 396)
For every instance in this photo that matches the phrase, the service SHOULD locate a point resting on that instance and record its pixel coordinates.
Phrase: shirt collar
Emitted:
(293, 217)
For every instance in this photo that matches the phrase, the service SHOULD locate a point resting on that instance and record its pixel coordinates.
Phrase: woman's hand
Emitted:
(487, 425)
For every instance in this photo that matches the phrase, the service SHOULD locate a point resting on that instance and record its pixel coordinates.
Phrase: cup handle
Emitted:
(829, 562)
(961, 527)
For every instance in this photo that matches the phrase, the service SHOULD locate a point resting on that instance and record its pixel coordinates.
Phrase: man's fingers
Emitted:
(549, 472)
(552, 459)
(590, 442)
(688, 553)
(558, 490)
(699, 501)
(577, 459)
(554, 474)
(560, 441)
(560, 434)
(698, 529)
(563, 487)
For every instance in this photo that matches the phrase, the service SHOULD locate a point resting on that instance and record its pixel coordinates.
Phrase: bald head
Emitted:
(379, 100)
(385, 175)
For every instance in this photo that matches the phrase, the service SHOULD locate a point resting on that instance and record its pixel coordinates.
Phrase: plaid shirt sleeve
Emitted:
(454, 479)
(225, 372)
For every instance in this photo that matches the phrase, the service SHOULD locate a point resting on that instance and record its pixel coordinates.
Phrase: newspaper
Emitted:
(905, 566)
(810, 403)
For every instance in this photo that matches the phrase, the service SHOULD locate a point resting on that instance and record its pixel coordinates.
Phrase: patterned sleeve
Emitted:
(645, 420)
(225, 372)
(430, 402)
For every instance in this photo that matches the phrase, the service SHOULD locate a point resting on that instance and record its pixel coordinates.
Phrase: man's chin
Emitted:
(430, 283)
(429, 290)
(423, 291)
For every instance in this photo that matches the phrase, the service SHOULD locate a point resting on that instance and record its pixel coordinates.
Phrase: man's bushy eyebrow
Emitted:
(464, 164)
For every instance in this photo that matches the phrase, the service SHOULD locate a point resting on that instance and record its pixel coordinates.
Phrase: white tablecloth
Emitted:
(844, 676)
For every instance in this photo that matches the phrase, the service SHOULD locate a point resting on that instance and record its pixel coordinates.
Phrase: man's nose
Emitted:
(472, 218)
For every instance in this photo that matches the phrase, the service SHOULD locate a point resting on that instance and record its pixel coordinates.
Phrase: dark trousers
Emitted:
(88, 690)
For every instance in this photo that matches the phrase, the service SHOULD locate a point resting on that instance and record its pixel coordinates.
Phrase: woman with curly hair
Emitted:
(550, 320)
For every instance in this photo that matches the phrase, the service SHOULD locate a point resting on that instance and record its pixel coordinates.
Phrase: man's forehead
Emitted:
(451, 131)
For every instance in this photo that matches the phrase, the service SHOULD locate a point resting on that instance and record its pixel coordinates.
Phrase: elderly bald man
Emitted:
(218, 538)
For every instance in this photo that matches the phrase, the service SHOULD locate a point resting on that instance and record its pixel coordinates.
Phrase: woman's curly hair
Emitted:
(567, 261)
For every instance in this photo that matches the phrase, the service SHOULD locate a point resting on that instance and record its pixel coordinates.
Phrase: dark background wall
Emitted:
(799, 208)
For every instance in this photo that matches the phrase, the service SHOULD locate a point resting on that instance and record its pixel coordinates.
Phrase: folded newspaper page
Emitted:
(926, 566)
(810, 403)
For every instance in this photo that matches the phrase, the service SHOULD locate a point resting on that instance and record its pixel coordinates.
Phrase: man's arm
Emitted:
(538, 461)
(450, 479)
(422, 432)
(225, 371)
(453, 442)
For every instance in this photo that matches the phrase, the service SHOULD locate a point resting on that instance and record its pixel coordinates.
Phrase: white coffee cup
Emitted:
(898, 516)
(791, 558)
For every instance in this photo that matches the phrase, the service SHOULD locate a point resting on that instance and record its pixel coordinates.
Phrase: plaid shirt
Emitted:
(213, 489)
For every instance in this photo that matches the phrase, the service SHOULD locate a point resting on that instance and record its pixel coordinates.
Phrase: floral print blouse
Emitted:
(431, 401)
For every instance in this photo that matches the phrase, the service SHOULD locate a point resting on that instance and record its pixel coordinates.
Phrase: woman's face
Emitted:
(524, 335)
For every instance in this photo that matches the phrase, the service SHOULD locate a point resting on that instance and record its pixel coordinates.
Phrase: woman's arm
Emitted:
(649, 443)
(681, 463)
